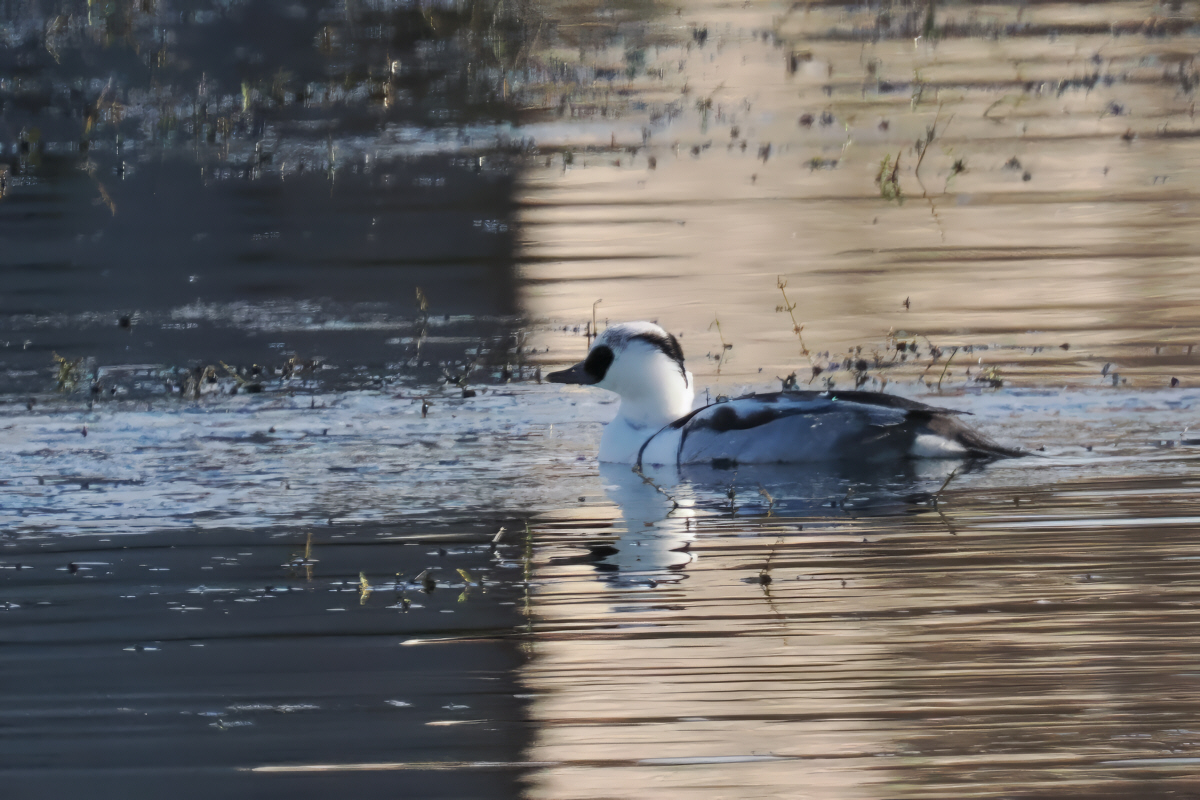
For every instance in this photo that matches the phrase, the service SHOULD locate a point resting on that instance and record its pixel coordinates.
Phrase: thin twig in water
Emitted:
(790, 308)
(461, 380)
(930, 135)
(108, 201)
(422, 325)
(957, 168)
(637, 470)
(305, 560)
(935, 353)
(943, 375)
(988, 110)
(938, 494)
(725, 346)
(770, 500)
(764, 575)
(595, 327)
(528, 574)
(497, 539)
(946, 520)
(936, 219)
(765, 580)
(233, 373)
(846, 499)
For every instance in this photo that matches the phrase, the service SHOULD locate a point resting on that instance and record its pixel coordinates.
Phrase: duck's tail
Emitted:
(977, 445)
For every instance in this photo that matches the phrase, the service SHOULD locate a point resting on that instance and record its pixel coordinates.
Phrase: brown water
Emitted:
(1029, 641)
(1065, 222)
(1029, 637)
(1022, 629)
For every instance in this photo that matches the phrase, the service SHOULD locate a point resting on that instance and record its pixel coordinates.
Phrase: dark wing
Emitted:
(863, 398)
(789, 428)
(797, 427)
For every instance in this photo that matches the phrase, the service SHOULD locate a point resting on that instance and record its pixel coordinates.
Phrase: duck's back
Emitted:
(796, 427)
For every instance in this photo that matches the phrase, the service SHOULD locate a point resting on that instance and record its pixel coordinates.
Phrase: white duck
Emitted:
(655, 424)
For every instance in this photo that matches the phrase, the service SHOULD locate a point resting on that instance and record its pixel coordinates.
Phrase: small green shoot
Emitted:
(990, 376)
(889, 181)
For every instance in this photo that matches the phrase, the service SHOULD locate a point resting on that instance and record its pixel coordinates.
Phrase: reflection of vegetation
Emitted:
(427, 63)
(928, 28)
(635, 62)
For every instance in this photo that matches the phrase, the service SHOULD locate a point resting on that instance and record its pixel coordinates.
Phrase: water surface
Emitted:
(304, 264)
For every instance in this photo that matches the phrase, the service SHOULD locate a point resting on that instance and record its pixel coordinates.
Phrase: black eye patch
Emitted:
(598, 362)
(668, 345)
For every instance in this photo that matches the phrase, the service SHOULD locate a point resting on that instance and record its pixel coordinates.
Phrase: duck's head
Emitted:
(644, 365)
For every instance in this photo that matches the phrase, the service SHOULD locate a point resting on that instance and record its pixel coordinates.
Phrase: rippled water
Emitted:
(1016, 641)
(305, 264)
(168, 663)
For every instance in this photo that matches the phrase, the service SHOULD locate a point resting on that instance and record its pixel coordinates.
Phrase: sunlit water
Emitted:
(280, 576)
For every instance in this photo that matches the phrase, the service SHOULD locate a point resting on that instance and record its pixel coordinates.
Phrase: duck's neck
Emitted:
(653, 415)
(660, 398)
(643, 414)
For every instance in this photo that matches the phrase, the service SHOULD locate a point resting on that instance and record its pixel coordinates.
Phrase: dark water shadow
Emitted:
(183, 664)
(202, 265)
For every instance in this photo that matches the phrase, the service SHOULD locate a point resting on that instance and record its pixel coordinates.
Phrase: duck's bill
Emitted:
(576, 374)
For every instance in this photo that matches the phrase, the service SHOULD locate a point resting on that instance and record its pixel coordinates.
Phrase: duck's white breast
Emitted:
(663, 448)
(623, 440)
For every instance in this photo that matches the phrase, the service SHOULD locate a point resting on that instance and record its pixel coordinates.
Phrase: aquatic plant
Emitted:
(888, 179)
(70, 373)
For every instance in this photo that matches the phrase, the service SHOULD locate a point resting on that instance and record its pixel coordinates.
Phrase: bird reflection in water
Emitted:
(662, 508)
